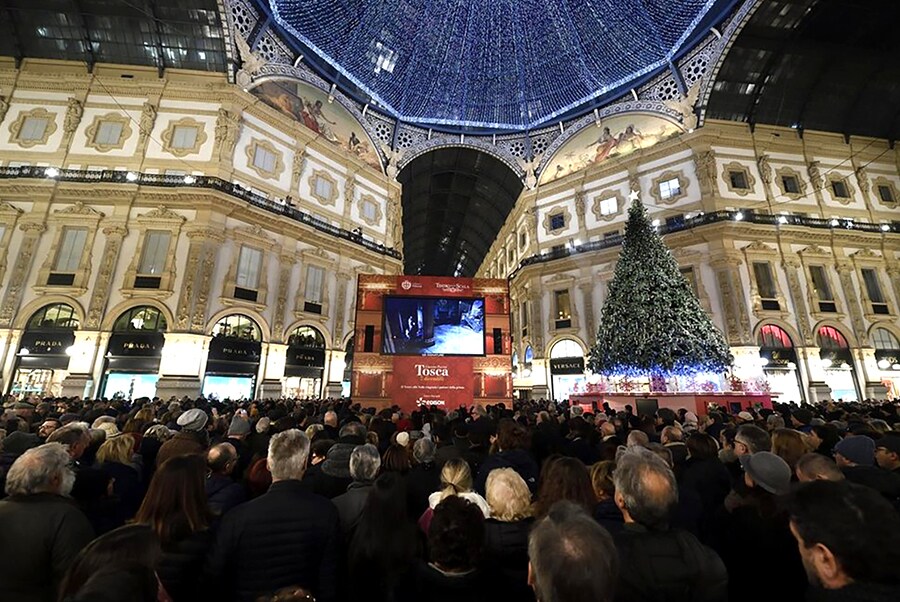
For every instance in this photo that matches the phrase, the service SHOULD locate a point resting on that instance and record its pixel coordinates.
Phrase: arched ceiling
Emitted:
(830, 65)
(494, 64)
(455, 200)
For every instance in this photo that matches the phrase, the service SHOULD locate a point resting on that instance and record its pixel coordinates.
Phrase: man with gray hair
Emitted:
(424, 478)
(288, 536)
(658, 562)
(571, 558)
(42, 530)
(364, 465)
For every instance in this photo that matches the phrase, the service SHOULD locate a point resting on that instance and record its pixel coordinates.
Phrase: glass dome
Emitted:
(496, 64)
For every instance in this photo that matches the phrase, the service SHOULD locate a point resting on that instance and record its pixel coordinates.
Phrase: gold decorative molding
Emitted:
(94, 129)
(665, 176)
(734, 166)
(324, 175)
(595, 207)
(259, 143)
(15, 127)
(361, 204)
(789, 172)
(169, 133)
(877, 184)
(834, 177)
(554, 211)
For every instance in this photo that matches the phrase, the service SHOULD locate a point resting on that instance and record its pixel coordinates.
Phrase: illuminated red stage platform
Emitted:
(699, 403)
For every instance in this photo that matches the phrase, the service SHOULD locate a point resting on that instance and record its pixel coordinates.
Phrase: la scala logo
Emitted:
(406, 285)
(424, 371)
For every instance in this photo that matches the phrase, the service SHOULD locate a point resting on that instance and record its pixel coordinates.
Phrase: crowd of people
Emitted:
(298, 500)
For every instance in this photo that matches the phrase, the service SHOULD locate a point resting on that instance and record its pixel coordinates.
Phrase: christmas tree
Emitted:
(652, 323)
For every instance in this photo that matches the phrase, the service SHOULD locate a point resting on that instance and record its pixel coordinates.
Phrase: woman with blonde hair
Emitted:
(505, 550)
(456, 479)
(115, 459)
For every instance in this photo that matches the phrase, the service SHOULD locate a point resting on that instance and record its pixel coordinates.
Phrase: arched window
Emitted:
(237, 326)
(307, 336)
(566, 348)
(885, 340)
(829, 337)
(143, 318)
(515, 360)
(58, 316)
(529, 355)
(773, 337)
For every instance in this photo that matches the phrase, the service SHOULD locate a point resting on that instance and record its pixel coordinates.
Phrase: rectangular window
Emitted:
(563, 310)
(323, 188)
(369, 210)
(765, 280)
(790, 184)
(184, 136)
(873, 286)
(109, 133)
(691, 278)
(33, 128)
(821, 287)
(71, 248)
(839, 189)
(609, 206)
(155, 252)
(557, 221)
(887, 194)
(249, 266)
(264, 159)
(511, 257)
(315, 277)
(524, 316)
(669, 189)
(738, 179)
(523, 239)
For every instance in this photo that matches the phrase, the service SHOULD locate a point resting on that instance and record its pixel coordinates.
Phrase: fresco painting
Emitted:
(615, 137)
(330, 120)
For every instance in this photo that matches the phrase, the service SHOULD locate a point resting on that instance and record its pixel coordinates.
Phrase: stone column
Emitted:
(870, 373)
(340, 309)
(285, 267)
(587, 291)
(272, 385)
(845, 271)
(737, 319)
(19, 275)
(801, 313)
(103, 284)
(82, 355)
(182, 364)
(893, 271)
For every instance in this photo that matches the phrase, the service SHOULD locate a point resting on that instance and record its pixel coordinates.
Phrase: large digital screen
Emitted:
(433, 326)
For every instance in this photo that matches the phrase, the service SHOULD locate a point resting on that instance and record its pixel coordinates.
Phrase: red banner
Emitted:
(446, 382)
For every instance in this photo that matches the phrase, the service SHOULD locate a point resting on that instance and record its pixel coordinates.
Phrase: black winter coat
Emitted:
(350, 505)
(40, 535)
(287, 536)
(180, 567)
(421, 481)
(667, 565)
(505, 557)
(223, 494)
(517, 459)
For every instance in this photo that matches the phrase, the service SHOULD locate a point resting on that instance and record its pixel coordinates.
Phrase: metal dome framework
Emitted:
(493, 65)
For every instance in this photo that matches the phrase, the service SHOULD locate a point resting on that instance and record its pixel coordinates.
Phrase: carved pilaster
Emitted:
(19, 276)
(339, 309)
(349, 192)
(765, 169)
(298, 167)
(191, 311)
(536, 328)
(148, 120)
(286, 264)
(845, 274)
(395, 217)
(74, 111)
(587, 293)
(893, 271)
(705, 164)
(207, 266)
(103, 284)
(579, 206)
(737, 319)
(791, 271)
(228, 127)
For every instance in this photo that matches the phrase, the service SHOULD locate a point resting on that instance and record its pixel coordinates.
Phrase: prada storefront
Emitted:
(131, 364)
(233, 362)
(304, 366)
(42, 360)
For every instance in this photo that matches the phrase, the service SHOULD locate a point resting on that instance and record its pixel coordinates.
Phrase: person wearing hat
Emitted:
(758, 529)
(238, 431)
(855, 455)
(191, 439)
(744, 417)
(335, 477)
(801, 420)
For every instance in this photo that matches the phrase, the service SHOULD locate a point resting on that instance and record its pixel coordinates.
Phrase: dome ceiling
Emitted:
(494, 64)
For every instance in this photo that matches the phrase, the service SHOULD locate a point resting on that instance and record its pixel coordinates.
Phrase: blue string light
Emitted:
(509, 64)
